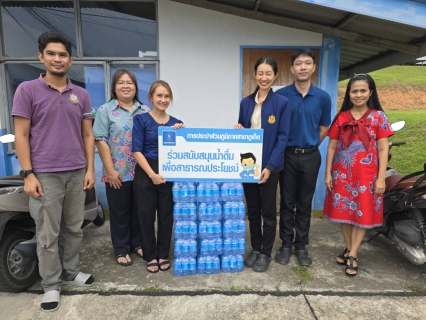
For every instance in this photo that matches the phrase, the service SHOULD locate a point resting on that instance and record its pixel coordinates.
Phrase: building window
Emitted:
(118, 28)
(24, 21)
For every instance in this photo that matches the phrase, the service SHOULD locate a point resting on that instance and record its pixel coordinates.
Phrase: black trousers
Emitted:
(154, 200)
(261, 203)
(124, 222)
(297, 187)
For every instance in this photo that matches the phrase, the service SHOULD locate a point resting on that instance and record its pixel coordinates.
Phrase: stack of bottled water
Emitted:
(209, 228)
(185, 229)
(211, 215)
(233, 226)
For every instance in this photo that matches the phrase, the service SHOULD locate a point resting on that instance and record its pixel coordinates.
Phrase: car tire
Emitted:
(13, 279)
(100, 218)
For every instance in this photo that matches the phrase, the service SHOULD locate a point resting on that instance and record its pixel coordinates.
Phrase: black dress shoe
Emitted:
(262, 263)
(283, 255)
(251, 259)
(303, 257)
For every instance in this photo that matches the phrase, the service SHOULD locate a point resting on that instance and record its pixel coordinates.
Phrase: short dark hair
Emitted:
(247, 155)
(55, 37)
(117, 75)
(302, 52)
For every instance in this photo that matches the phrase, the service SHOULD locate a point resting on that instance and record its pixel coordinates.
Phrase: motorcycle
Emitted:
(18, 247)
(404, 211)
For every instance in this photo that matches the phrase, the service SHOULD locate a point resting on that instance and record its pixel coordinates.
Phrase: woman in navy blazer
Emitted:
(269, 111)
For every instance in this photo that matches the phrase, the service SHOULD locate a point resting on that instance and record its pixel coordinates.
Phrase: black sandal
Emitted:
(124, 264)
(343, 257)
(164, 263)
(135, 251)
(153, 264)
(351, 267)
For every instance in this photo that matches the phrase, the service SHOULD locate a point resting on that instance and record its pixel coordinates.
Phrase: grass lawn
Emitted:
(411, 156)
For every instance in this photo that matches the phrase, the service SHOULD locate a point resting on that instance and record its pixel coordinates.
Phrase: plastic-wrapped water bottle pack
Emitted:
(198, 212)
(232, 263)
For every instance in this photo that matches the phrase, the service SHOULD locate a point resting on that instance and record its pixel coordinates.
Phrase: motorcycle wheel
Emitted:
(15, 277)
(100, 219)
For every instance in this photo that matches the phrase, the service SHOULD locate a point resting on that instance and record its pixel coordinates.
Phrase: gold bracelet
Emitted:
(378, 179)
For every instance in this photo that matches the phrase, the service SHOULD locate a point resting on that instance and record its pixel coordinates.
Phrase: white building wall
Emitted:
(200, 58)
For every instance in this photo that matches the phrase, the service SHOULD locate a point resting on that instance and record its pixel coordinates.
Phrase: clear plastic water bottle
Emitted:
(233, 263)
(178, 248)
(176, 191)
(192, 234)
(185, 229)
(227, 245)
(177, 210)
(225, 263)
(185, 266)
(240, 191)
(178, 230)
(227, 228)
(218, 211)
(234, 210)
(241, 210)
(192, 211)
(177, 267)
(216, 265)
(202, 211)
(224, 189)
(234, 245)
(204, 246)
(185, 211)
(227, 210)
(240, 263)
(208, 265)
(200, 266)
(210, 211)
(202, 229)
(219, 246)
(232, 192)
(192, 266)
(212, 246)
(241, 228)
(183, 192)
(241, 246)
(217, 232)
(185, 248)
(215, 192)
(193, 248)
(191, 192)
(201, 190)
(235, 225)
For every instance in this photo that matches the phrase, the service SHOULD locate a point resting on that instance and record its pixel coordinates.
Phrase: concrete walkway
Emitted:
(387, 287)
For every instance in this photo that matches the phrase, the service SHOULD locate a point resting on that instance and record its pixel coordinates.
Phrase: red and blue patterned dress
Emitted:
(355, 168)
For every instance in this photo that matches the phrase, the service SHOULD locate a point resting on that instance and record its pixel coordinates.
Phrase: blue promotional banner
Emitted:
(210, 154)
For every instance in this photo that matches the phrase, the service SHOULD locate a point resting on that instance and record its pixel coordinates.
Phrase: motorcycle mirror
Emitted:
(7, 138)
(396, 126)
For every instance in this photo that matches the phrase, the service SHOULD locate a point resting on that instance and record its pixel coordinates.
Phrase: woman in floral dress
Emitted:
(356, 166)
(113, 135)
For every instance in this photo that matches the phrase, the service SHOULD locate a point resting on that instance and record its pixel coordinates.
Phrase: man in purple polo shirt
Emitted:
(55, 147)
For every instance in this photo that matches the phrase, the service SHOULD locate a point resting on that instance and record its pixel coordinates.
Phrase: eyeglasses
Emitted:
(122, 83)
(359, 74)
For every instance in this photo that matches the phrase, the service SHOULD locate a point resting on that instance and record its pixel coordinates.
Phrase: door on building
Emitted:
(283, 58)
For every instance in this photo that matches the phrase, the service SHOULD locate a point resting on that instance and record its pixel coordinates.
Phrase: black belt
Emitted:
(297, 150)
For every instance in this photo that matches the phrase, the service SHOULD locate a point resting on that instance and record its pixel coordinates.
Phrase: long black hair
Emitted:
(373, 102)
(268, 60)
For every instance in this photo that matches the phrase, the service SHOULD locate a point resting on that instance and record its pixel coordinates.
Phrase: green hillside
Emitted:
(402, 93)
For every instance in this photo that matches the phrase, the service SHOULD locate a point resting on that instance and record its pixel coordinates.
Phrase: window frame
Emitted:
(78, 59)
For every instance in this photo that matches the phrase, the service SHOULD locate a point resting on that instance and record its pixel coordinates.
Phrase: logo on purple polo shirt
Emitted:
(169, 138)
